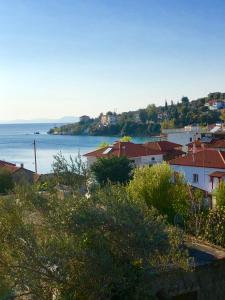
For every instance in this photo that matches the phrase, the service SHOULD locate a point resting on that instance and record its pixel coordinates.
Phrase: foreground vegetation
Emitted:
(102, 247)
(104, 239)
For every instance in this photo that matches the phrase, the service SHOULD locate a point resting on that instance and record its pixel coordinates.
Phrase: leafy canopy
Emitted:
(126, 138)
(6, 181)
(103, 247)
(220, 194)
(158, 187)
(114, 169)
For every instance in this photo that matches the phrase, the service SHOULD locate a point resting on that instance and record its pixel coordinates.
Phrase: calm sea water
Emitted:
(16, 144)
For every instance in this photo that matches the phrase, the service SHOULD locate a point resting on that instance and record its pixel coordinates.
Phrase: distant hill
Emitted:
(66, 119)
(150, 120)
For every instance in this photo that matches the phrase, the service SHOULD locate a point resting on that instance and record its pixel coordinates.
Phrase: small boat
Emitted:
(37, 132)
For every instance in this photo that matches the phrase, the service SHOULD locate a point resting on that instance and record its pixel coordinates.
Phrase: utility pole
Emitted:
(35, 156)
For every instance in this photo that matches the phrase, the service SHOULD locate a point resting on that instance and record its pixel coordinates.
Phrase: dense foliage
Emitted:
(114, 169)
(72, 172)
(220, 194)
(97, 248)
(157, 187)
(149, 121)
(6, 181)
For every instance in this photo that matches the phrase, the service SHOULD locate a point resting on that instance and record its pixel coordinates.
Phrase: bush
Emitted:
(220, 194)
(6, 181)
(114, 169)
(157, 187)
(103, 247)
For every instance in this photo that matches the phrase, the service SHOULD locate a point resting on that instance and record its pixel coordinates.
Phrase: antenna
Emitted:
(35, 156)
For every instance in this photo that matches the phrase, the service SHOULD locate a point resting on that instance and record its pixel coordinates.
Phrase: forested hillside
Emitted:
(150, 120)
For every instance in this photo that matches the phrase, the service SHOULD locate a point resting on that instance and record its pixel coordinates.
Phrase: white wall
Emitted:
(183, 138)
(139, 161)
(151, 159)
(204, 182)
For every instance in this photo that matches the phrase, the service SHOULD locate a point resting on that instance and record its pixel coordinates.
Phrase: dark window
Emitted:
(153, 158)
(190, 139)
(195, 178)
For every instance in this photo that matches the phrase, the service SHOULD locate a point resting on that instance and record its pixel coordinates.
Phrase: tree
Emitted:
(158, 187)
(143, 115)
(222, 116)
(72, 172)
(214, 226)
(114, 169)
(106, 247)
(220, 194)
(126, 138)
(103, 145)
(166, 105)
(6, 181)
(152, 112)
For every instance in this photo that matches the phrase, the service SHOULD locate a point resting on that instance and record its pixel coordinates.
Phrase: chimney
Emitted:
(22, 165)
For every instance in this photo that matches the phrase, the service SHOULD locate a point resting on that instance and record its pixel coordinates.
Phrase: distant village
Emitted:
(150, 121)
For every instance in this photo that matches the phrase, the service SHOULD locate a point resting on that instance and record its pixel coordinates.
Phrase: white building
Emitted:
(183, 136)
(140, 154)
(204, 169)
(109, 119)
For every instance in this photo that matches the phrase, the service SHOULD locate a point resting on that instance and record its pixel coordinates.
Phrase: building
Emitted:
(140, 154)
(84, 119)
(19, 174)
(207, 142)
(184, 135)
(108, 119)
(168, 149)
(137, 118)
(215, 104)
(203, 169)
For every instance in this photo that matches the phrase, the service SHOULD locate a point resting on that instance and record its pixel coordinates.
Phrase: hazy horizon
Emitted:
(63, 58)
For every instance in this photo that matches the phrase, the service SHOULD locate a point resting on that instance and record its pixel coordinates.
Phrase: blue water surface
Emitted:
(16, 144)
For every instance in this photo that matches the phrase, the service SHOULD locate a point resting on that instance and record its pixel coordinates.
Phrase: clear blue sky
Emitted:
(70, 57)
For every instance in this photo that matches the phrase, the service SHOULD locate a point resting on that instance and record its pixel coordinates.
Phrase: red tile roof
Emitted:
(163, 146)
(217, 174)
(208, 158)
(217, 143)
(5, 163)
(213, 144)
(10, 169)
(127, 149)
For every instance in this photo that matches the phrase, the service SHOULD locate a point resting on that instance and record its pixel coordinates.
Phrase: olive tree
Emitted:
(97, 248)
(114, 169)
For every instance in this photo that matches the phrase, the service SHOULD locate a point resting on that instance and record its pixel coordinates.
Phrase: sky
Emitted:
(75, 57)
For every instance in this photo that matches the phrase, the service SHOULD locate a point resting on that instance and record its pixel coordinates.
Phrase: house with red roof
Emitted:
(169, 150)
(19, 173)
(203, 169)
(218, 144)
(138, 153)
(141, 154)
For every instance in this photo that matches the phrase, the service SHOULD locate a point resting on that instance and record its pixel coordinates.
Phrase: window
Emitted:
(190, 140)
(153, 158)
(195, 178)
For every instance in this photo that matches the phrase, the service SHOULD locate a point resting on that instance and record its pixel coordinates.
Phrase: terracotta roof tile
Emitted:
(127, 149)
(209, 158)
(163, 146)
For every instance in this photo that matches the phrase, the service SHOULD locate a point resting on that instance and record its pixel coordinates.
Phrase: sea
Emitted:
(17, 145)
